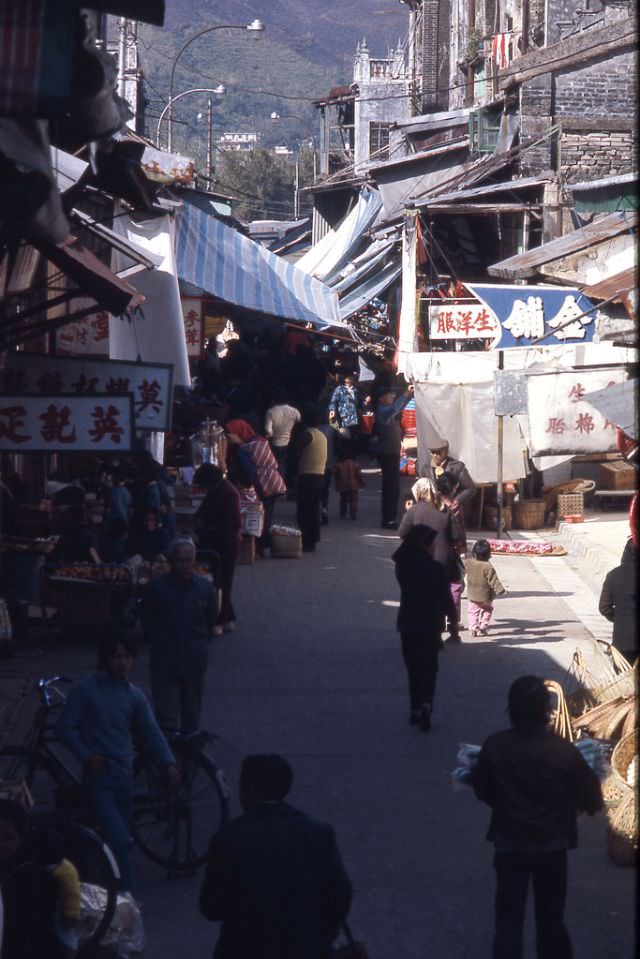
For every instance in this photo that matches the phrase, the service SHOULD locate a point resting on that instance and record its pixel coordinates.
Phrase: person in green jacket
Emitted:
(483, 585)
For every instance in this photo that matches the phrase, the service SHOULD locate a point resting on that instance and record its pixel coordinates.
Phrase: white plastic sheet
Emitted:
(407, 338)
(336, 248)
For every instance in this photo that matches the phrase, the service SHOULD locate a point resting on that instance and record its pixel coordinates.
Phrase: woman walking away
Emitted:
(483, 586)
(266, 477)
(425, 600)
(217, 524)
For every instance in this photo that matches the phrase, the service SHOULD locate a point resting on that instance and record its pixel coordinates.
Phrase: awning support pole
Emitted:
(500, 492)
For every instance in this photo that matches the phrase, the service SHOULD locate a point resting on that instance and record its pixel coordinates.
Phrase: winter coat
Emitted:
(618, 601)
(483, 584)
(425, 597)
(348, 476)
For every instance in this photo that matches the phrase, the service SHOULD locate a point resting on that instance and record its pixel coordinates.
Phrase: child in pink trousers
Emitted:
(483, 586)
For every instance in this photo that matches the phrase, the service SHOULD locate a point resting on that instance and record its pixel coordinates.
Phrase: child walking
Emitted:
(349, 480)
(483, 586)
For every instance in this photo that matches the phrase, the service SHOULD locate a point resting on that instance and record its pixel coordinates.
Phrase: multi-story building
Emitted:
(238, 142)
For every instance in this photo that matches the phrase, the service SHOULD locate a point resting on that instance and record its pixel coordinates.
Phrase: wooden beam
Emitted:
(619, 36)
(471, 209)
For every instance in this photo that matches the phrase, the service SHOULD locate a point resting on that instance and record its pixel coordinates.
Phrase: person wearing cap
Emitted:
(389, 439)
(464, 489)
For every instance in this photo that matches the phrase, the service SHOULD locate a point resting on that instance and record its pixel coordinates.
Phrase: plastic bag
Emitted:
(593, 752)
(125, 935)
(467, 756)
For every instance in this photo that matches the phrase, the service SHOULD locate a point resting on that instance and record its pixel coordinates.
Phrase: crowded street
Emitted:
(314, 672)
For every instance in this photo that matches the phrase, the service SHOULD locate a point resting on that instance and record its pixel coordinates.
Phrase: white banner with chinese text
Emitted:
(463, 321)
(151, 386)
(88, 336)
(192, 314)
(66, 423)
(561, 420)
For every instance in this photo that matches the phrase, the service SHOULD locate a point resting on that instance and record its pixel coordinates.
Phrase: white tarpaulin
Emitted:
(155, 334)
(619, 404)
(562, 420)
(407, 327)
(337, 247)
(464, 415)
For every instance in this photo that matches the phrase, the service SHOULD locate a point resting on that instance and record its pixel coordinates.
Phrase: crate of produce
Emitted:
(618, 474)
(85, 594)
(286, 542)
(528, 514)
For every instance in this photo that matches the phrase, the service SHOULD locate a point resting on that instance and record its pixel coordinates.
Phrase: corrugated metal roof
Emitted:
(488, 188)
(616, 286)
(527, 264)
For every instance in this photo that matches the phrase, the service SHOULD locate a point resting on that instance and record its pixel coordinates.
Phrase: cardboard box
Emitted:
(618, 475)
(247, 551)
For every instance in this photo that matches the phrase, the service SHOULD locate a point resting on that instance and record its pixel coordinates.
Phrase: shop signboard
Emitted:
(527, 313)
(192, 314)
(561, 418)
(463, 321)
(63, 422)
(87, 336)
(151, 386)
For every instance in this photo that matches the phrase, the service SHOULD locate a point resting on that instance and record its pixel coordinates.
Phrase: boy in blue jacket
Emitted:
(102, 717)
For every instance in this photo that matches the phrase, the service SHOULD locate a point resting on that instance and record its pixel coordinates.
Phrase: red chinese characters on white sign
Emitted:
(192, 314)
(63, 422)
(88, 336)
(462, 321)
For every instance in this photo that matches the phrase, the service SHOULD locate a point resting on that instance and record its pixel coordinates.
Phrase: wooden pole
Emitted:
(500, 493)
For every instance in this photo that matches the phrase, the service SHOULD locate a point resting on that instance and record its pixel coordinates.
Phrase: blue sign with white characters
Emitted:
(527, 313)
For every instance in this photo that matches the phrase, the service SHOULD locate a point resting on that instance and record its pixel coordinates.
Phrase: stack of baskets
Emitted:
(570, 507)
(605, 707)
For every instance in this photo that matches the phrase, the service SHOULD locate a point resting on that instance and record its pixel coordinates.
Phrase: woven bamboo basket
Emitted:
(622, 832)
(622, 755)
(286, 545)
(614, 791)
(621, 686)
(528, 514)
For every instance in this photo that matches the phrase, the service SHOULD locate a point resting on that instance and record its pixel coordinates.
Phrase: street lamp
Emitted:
(275, 116)
(218, 91)
(256, 27)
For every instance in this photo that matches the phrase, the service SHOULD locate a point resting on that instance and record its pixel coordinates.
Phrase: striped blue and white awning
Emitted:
(233, 268)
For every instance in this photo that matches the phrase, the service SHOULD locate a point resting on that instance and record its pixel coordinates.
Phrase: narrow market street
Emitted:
(314, 672)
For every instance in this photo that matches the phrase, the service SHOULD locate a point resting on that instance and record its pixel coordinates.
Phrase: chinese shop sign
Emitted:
(561, 420)
(88, 336)
(462, 321)
(150, 386)
(526, 313)
(58, 423)
(192, 314)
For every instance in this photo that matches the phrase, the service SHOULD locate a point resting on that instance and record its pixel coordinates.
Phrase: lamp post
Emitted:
(275, 116)
(219, 91)
(256, 27)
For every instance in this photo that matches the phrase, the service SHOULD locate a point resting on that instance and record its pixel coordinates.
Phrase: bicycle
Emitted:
(173, 824)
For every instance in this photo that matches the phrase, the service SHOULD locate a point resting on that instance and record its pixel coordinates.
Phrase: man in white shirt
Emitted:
(278, 425)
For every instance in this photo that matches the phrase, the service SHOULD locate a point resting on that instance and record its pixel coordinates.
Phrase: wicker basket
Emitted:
(621, 686)
(622, 755)
(622, 832)
(528, 514)
(614, 791)
(286, 545)
(570, 504)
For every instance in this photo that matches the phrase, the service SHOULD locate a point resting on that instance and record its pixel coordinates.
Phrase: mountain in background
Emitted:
(306, 49)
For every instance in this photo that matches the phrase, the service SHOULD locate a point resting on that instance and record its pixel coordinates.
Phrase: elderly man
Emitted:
(464, 489)
(178, 617)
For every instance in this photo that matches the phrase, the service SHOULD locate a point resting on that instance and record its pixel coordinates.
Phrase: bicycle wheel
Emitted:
(173, 825)
(97, 871)
(42, 777)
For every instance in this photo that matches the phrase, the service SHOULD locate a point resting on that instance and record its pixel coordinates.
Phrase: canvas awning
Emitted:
(336, 248)
(142, 259)
(619, 403)
(236, 270)
(529, 263)
(373, 286)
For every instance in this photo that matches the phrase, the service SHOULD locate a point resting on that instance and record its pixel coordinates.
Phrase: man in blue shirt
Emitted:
(101, 718)
(178, 617)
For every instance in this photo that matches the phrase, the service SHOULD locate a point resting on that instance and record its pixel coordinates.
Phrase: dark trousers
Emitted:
(228, 555)
(548, 873)
(349, 501)
(390, 466)
(309, 494)
(111, 797)
(264, 541)
(420, 652)
(177, 702)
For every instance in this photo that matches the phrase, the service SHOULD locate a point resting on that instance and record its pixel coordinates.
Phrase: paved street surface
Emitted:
(314, 671)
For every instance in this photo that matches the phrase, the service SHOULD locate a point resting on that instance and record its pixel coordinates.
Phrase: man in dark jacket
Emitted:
(618, 601)
(274, 876)
(388, 442)
(425, 601)
(464, 489)
(536, 783)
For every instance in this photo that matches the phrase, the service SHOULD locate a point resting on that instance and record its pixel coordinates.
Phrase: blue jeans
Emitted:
(111, 797)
